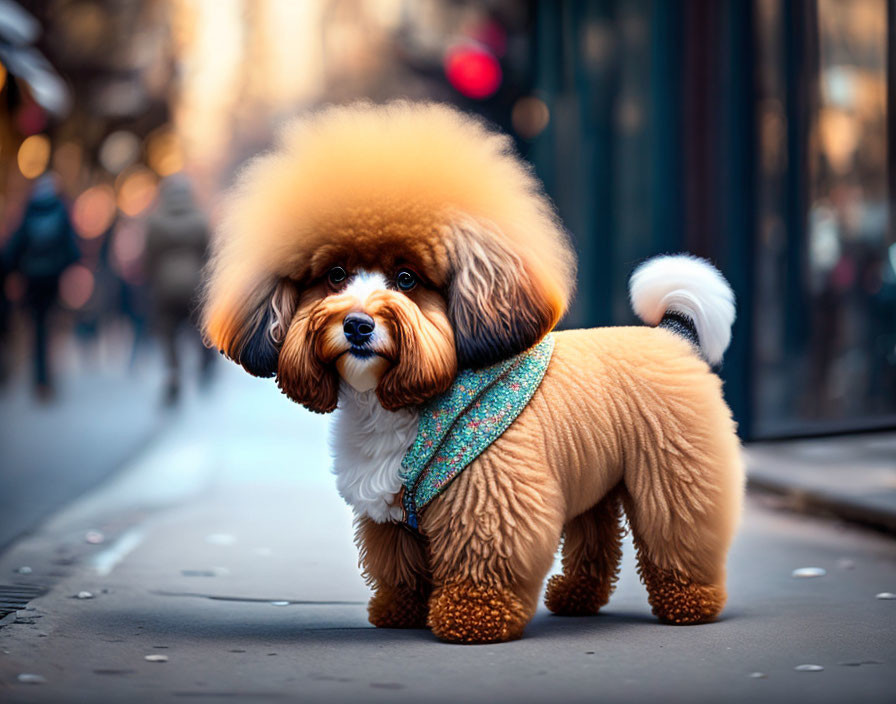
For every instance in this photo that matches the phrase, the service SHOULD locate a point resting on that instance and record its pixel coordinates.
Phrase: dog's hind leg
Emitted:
(592, 550)
(683, 505)
(395, 566)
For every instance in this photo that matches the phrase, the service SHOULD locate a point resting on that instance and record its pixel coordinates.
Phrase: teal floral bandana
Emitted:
(458, 425)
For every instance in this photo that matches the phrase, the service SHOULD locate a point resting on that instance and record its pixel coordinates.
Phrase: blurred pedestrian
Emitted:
(42, 247)
(176, 245)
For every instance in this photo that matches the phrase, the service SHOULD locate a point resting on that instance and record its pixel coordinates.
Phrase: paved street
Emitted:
(223, 552)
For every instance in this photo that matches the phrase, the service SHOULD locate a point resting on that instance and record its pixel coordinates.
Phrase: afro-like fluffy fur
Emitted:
(379, 178)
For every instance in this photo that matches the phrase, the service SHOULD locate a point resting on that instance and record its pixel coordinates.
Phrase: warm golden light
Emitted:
(2, 76)
(163, 152)
(210, 77)
(839, 134)
(276, 63)
(93, 211)
(34, 155)
(137, 189)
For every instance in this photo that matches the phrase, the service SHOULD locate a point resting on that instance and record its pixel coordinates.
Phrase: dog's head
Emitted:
(388, 246)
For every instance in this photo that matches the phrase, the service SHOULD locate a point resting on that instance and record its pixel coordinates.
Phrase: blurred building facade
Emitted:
(762, 135)
(759, 133)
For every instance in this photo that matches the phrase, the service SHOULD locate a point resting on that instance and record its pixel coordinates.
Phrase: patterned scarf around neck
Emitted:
(458, 425)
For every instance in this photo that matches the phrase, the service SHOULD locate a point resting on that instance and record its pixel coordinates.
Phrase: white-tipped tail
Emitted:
(691, 287)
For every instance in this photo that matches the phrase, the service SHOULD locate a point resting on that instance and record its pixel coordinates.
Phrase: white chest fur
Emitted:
(368, 443)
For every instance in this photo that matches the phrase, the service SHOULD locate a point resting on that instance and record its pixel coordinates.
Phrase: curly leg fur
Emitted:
(397, 607)
(592, 550)
(395, 565)
(470, 613)
(492, 539)
(675, 598)
(683, 590)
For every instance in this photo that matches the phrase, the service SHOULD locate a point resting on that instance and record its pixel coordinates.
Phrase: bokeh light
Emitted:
(137, 188)
(34, 155)
(530, 116)
(93, 211)
(473, 71)
(118, 151)
(76, 286)
(164, 153)
(839, 135)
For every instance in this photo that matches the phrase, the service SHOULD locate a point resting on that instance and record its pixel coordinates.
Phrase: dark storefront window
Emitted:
(759, 135)
(825, 295)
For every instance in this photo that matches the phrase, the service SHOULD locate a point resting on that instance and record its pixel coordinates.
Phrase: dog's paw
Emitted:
(397, 607)
(468, 613)
(576, 595)
(680, 602)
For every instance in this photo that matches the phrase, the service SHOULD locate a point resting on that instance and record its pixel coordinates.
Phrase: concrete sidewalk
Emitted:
(226, 572)
(852, 477)
(101, 415)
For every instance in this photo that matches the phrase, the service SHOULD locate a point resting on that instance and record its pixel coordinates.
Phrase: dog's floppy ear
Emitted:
(426, 364)
(250, 328)
(300, 374)
(499, 304)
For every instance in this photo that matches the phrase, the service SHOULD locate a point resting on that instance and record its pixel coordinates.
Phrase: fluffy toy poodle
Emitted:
(400, 265)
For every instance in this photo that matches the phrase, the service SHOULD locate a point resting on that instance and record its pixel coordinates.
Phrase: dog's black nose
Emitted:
(358, 328)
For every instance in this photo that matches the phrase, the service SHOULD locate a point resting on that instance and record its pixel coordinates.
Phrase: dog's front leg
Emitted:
(395, 566)
(492, 538)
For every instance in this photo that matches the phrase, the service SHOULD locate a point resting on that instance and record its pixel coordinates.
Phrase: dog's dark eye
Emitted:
(405, 280)
(336, 276)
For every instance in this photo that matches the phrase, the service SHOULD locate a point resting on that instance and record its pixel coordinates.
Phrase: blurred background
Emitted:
(757, 133)
(139, 471)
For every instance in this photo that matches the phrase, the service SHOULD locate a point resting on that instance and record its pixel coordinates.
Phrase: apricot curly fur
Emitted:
(592, 551)
(469, 613)
(576, 594)
(676, 599)
(398, 607)
(380, 185)
(389, 555)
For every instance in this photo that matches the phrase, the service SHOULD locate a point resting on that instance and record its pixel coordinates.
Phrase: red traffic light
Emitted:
(473, 71)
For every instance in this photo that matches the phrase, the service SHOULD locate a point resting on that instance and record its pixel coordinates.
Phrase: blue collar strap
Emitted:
(458, 425)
